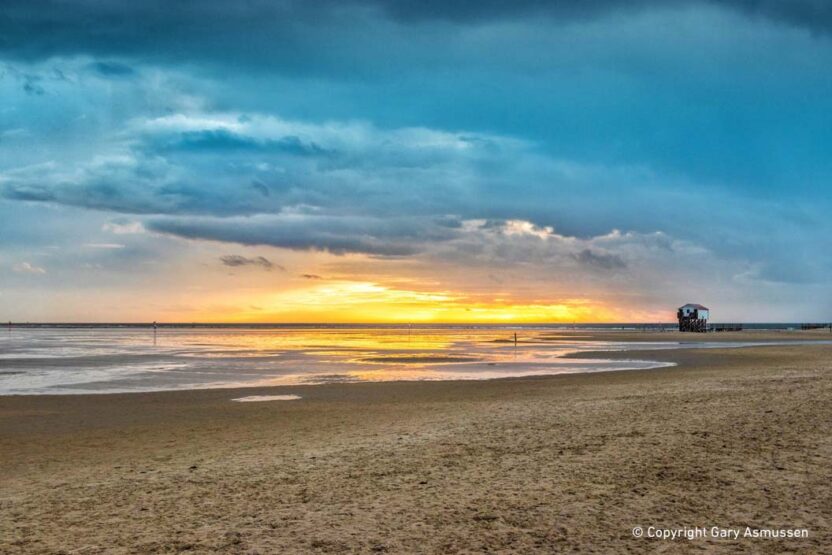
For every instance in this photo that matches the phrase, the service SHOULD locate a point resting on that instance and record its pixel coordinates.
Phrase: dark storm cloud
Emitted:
(31, 86)
(100, 193)
(357, 125)
(267, 32)
(266, 167)
(236, 260)
(195, 172)
(261, 188)
(226, 141)
(379, 237)
(467, 11)
(379, 192)
(601, 261)
(811, 14)
(27, 192)
(112, 69)
(815, 14)
(35, 29)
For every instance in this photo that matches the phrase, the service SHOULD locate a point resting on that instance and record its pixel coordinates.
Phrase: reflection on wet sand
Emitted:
(126, 360)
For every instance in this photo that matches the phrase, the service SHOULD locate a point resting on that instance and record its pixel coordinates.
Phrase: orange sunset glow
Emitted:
(368, 302)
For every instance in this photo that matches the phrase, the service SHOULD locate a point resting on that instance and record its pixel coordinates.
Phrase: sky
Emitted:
(415, 161)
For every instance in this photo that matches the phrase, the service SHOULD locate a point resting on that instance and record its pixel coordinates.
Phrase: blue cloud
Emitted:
(212, 29)
(112, 69)
(232, 169)
(278, 124)
(338, 235)
(223, 141)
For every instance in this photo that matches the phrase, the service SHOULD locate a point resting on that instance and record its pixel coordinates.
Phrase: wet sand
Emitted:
(729, 437)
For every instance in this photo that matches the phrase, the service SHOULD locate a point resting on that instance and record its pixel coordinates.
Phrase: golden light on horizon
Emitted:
(345, 301)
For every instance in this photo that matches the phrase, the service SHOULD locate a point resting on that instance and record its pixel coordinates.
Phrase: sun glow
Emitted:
(368, 302)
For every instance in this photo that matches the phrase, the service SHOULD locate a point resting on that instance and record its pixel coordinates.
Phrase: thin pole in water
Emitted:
(515, 339)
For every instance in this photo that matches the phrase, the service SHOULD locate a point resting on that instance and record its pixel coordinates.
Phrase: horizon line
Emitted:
(12, 323)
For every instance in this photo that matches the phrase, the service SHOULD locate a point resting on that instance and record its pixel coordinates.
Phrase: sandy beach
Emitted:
(732, 438)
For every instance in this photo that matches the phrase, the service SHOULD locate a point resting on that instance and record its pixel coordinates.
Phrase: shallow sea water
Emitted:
(111, 360)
